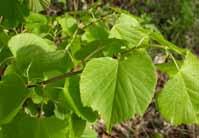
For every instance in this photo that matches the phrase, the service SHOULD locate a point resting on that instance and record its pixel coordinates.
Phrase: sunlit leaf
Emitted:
(118, 89)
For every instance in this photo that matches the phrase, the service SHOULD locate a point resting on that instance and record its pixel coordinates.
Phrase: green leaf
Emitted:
(107, 47)
(68, 24)
(89, 48)
(118, 89)
(96, 31)
(76, 126)
(179, 100)
(158, 37)
(37, 23)
(35, 56)
(72, 97)
(169, 68)
(27, 39)
(24, 126)
(128, 19)
(74, 48)
(11, 69)
(13, 11)
(12, 95)
(37, 61)
(128, 28)
(4, 50)
(54, 91)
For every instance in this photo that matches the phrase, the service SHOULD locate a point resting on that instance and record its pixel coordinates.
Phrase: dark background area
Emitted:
(178, 20)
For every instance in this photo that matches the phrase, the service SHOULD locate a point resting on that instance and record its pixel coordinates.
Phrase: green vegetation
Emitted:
(61, 73)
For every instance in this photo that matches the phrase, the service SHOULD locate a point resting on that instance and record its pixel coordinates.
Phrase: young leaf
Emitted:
(118, 89)
(128, 28)
(12, 95)
(179, 100)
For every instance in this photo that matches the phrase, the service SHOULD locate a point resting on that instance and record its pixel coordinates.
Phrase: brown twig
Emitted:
(56, 78)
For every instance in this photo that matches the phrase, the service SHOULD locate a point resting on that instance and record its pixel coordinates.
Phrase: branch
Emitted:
(56, 78)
